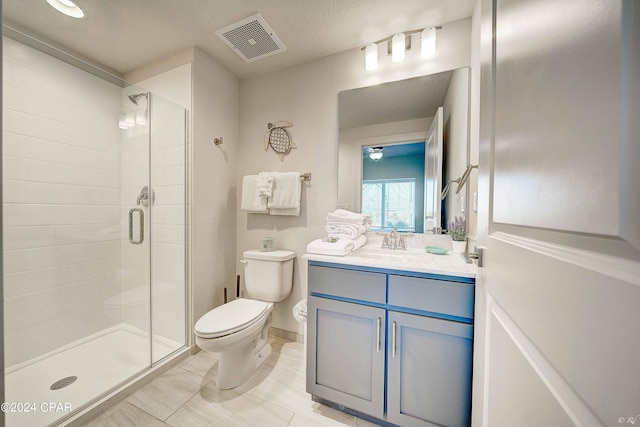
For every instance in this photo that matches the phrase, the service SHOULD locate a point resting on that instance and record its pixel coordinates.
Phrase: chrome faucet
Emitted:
(393, 241)
(394, 235)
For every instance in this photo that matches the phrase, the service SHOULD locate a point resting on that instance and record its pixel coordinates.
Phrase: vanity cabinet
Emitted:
(349, 350)
(391, 345)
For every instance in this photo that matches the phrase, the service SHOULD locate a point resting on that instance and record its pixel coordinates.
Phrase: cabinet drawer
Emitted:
(437, 296)
(357, 285)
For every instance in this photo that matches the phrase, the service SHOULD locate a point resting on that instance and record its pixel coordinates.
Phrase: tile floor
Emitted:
(187, 395)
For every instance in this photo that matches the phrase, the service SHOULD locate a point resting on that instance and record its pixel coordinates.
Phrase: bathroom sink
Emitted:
(394, 256)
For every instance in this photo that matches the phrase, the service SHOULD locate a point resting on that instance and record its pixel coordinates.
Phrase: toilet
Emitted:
(238, 330)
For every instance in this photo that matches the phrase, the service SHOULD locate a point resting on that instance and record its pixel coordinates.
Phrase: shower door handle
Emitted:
(141, 216)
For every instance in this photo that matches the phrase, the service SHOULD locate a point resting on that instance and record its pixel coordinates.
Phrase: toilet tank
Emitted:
(268, 276)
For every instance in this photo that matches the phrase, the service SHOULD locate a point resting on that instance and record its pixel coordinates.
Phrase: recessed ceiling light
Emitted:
(67, 7)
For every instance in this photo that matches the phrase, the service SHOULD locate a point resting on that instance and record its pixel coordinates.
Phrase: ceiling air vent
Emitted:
(251, 38)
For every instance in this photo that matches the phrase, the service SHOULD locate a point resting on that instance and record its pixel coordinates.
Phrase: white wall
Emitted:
(61, 151)
(307, 96)
(214, 178)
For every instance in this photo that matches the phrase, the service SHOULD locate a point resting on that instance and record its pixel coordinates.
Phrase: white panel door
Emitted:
(433, 173)
(558, 298)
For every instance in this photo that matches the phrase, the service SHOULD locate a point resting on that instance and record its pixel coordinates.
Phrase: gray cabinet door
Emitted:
(345, 355)
(429, 377)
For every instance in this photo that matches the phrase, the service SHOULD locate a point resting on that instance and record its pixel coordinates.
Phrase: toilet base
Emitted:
(237, 365)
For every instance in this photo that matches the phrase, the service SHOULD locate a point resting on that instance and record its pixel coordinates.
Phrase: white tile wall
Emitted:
(134, 167)
(62, 185)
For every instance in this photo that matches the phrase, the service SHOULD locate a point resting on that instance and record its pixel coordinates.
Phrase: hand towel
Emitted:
(286, 191)
(251, 202)
(265, 183)
(349, 231)
(341, 247)
(293, 212)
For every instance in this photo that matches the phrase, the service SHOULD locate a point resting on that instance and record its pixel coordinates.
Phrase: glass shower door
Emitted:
(168, 227)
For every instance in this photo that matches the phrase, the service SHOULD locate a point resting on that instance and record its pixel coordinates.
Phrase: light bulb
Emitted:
(371, 57)
(67, 7)
(397, 47)
(428, 42)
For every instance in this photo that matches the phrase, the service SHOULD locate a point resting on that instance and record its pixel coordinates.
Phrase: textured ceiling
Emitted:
(127, 34)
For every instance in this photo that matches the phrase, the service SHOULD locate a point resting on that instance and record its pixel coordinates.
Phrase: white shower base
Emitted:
(100, 361)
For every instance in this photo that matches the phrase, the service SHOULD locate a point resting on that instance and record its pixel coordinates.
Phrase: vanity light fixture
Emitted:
(428, 42)
(398, 44)
(371, 56)
(376, 153)
(67, 7)
(397, 47)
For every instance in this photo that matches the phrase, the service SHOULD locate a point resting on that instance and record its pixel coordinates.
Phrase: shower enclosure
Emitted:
(94, 234)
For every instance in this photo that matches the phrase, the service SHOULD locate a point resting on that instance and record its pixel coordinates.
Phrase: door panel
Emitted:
(509, 362)
(558, 330)
(557, 125)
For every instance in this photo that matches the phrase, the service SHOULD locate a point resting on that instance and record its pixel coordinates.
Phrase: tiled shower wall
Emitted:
(62, 219)
(164, 225)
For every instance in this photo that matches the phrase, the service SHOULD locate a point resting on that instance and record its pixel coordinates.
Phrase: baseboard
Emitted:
(287, 335)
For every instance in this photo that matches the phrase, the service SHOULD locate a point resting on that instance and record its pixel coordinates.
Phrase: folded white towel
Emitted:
(350, 231)
(342, 216)
(341, 247)
(251, 202)
(265, 183)
(286, 191)
(359, 242)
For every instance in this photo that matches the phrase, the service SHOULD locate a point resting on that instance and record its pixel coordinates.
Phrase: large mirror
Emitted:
(400, 144)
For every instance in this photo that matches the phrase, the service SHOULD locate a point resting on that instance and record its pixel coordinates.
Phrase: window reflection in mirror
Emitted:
(393, 187)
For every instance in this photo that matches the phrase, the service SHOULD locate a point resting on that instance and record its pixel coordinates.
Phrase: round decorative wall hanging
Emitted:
(279, 138)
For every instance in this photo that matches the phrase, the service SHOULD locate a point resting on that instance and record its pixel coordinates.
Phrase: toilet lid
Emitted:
(231, 317)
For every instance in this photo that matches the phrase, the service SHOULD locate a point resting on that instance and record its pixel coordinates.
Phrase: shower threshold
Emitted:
(100, 362)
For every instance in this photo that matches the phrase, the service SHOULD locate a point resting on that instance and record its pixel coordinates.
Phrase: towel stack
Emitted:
(275, 193)
(345, 233)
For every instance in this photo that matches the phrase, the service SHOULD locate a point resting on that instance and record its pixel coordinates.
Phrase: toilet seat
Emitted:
(231, 317)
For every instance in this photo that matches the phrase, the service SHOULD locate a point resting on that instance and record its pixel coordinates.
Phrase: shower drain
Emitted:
(63, 383)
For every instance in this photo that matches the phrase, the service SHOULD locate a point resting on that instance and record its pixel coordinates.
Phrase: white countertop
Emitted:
(414, 260)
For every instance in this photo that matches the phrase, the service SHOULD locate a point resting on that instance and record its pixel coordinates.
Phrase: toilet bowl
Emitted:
(238, 330)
